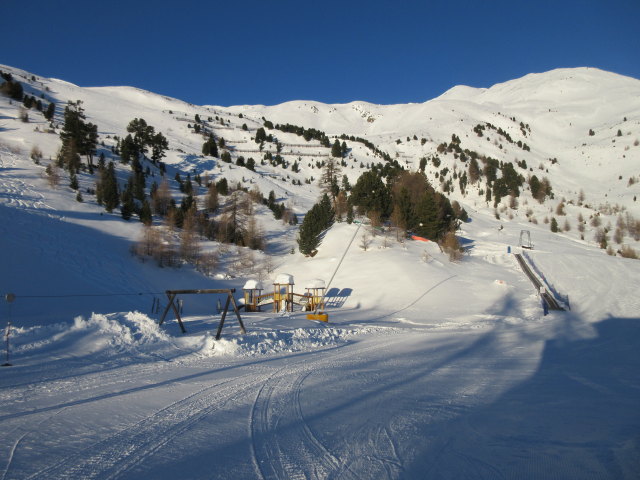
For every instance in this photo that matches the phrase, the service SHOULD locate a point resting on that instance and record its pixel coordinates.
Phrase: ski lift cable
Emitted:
(337, 268)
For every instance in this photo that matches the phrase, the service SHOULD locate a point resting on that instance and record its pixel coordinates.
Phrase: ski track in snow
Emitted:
(284, 445)
(16, 192)
(119, 453)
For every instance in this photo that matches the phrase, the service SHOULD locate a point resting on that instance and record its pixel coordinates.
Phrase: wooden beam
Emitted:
(215, 290)
(177, 313)
(224, 314)
(166, 310)
(237, 310)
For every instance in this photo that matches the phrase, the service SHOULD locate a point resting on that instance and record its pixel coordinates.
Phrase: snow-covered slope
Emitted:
(427, 368)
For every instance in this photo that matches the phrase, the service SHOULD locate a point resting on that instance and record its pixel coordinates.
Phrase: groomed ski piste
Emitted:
(426, 369)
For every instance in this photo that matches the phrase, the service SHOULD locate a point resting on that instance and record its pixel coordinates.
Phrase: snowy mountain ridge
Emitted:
(560, 107)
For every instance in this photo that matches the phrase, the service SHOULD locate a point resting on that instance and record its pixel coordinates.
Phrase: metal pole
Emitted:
(9, 297)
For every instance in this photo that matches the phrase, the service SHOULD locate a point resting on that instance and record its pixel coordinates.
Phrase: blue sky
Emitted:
(268, 52)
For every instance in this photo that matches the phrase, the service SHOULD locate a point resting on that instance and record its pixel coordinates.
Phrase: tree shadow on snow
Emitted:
(577, 416)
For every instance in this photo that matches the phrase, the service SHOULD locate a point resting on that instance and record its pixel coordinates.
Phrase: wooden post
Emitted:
(224, 314)
(171, 296)
(237, 310)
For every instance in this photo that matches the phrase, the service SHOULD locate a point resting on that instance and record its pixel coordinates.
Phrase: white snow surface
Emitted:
(426, 368)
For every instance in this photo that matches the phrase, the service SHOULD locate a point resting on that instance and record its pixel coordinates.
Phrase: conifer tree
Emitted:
(318, 219)
(129, 149)
(145, 213)
(370, 193)
(158, 145)
(223, 186)
(209, 147)
(50, 111)
(76, 130)
(350, 215)
(127, 207)
(336, 149)
(12, 89)
(109, 188)
(73, 181)
(261, 135)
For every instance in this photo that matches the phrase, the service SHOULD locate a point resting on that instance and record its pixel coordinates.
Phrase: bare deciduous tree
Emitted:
(365, 241)
(162, 198)
(451, 247)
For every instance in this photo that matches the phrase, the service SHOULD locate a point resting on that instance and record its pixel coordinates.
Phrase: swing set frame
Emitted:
(172, 294)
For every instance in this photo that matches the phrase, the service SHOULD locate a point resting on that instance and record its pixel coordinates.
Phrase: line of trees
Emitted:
(407, 202)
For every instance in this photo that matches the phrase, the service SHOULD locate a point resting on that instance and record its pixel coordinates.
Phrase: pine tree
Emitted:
(350, 215)
(222, 186)
(50, 111)
(212, 146)
(370, 193)
(159, 145)
(336, 149)
(261, 135)
(12, 89)
(141, 133)
(128, 205)
(145, 213)
(69, 157)
(318, 219)
(76, 130)
(129, 150)
(109, 188)
(427, 224)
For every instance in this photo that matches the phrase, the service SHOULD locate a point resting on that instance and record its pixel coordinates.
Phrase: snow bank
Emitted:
(133, 334)
(94, 337)
(280, 341)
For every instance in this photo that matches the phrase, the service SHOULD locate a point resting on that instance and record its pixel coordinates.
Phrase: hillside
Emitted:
(542, 122)
(427, 367)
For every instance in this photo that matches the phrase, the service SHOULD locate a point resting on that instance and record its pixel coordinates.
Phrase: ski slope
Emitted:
(426, 368)
(443, 370)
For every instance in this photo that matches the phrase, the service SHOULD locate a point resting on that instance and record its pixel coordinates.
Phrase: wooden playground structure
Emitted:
(283, 298)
